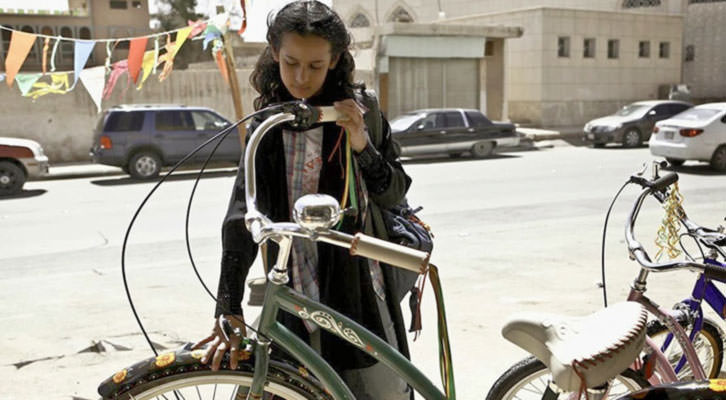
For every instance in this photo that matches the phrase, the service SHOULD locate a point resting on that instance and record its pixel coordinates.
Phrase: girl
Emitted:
(308, 57)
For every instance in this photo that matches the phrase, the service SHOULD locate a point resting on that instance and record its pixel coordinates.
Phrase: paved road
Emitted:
(517, 232)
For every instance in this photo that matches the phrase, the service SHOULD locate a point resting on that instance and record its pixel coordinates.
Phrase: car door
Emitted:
(207, 124)
(175, 134)
(482, 127)
(452, 128)
(426, 131)
(655, 114)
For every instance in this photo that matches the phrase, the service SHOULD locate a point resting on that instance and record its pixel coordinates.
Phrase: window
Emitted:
(6, 41)
(664, 50)
(489, 48)
(118, 4)
(66, 46)
(453, 119)
(563, 46)
(136, 4)
(690, 52)
(207, 121)
(588, 48)
(477, 119)
(125, 121)
(174, 121)
(47, 30)
(84, 33)
(359, 21)
(644, 49)
(400, 15)
(33, 54)
(613, 48)
(640, 3)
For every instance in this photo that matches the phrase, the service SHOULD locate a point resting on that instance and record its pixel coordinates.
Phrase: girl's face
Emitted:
(304, 63)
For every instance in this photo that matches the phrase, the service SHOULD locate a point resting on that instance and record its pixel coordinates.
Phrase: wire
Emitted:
(602, 252)
(221, 134)
(102, 40)
(683, 248)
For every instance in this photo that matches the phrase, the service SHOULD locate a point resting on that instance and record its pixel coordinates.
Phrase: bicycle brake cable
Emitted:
(602, 251)
(181, 162)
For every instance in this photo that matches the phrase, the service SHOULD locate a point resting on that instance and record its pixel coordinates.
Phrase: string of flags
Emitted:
(100, 81)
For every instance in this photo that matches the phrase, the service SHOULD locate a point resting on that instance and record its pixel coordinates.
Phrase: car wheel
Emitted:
(718, 160)
(631, 138)
(674, 162)
(12, 178)
(482, 149)
(144, 165)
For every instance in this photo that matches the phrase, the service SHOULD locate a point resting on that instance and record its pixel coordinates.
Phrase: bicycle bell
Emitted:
(316, 211)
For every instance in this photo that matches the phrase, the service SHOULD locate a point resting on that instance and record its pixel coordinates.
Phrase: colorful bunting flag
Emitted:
(81, 52)
(136, 55)
(222, 65)
(210, 33)
(58, 85)
(26, 81)
(117, 69)
(52, 54)
(93, 79)
(243, 28)
(147, 65)
(45, 54)
(197, 27)
(20, 45)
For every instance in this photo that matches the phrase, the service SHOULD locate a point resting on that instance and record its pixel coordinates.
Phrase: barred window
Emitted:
(690, 52)
(563, 46)
(644, 49)
(613, 48)
(360, 21)
(400, 15)
(640, 3)
(588, 48)
(664, 51)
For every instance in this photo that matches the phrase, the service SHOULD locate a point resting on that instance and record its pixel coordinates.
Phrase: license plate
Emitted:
(591, 136)
(668, 135)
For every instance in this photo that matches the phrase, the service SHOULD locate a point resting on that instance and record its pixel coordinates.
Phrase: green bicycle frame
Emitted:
(278, 296)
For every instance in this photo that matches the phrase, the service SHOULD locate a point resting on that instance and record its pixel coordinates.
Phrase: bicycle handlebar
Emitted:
(706, 235)
(262, 228)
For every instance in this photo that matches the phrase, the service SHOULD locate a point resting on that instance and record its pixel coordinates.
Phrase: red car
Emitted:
(20, 159)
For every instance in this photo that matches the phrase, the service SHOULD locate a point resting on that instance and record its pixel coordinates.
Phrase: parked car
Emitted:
(632, 124)
(143, 138)
(695, 134)
(453, 131)
(20, 159)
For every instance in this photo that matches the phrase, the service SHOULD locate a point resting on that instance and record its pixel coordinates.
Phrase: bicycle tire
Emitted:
(529, 377)
(709, 340)
(185, 377)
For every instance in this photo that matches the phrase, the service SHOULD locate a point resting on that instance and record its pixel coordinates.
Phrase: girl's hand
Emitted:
(226, 335)
(353, 122)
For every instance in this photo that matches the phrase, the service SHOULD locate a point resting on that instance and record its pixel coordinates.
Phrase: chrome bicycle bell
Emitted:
(316, 211)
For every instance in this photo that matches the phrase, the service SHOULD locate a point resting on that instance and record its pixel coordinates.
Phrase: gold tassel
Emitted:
(667, 237)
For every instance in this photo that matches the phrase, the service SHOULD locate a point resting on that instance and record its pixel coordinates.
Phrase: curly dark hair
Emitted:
(305, 17)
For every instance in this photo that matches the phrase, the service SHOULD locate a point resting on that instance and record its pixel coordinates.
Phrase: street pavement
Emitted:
(515, 232)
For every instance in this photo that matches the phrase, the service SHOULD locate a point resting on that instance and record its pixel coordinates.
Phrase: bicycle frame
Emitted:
(278, 296)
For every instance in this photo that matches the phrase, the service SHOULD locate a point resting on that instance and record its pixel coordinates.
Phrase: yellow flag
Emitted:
(147, 65)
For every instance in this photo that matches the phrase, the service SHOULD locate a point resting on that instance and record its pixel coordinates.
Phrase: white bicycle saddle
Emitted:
(597, 347)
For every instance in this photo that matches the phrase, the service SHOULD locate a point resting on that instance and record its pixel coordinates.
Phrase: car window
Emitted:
(123, 121)
(662, 109)
(403, 122)
(697, 114)
(453, 119)
(174, 121)
(432, 121)
(207, 121)
(477, 119)
(632, 110)
(676, 108)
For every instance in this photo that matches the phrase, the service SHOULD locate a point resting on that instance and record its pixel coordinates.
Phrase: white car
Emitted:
(20, 159)
(698, 133)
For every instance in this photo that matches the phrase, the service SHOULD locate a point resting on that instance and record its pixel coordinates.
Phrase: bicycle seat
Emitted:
(595, 347)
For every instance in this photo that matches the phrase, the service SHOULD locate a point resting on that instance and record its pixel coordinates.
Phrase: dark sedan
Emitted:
(452, 131)
(632, 124)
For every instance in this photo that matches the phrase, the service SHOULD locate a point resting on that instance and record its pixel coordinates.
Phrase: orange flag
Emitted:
(222, 65)
(136, 56)
(20, 44)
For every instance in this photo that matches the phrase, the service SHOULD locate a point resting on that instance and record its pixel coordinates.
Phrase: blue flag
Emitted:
(81, 52)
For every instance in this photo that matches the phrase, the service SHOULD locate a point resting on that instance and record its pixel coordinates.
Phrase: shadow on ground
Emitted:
(695, 169)
(176, 176)
(25, 194)
(447, 159)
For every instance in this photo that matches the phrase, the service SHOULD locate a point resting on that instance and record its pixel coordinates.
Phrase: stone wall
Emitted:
(705, 30)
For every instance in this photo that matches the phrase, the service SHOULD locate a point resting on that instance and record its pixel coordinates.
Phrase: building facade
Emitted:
(85, 19)
(575, 59)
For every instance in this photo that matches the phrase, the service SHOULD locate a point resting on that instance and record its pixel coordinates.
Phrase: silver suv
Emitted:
(142, 138)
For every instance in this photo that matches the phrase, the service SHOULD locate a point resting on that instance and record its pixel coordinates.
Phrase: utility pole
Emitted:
(234, 87)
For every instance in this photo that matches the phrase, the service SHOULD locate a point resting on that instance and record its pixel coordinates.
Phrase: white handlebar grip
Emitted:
(328, 114)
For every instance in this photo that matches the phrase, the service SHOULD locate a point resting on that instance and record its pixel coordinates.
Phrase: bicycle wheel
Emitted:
(708, 344)
(179, 375)
(528, 379)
